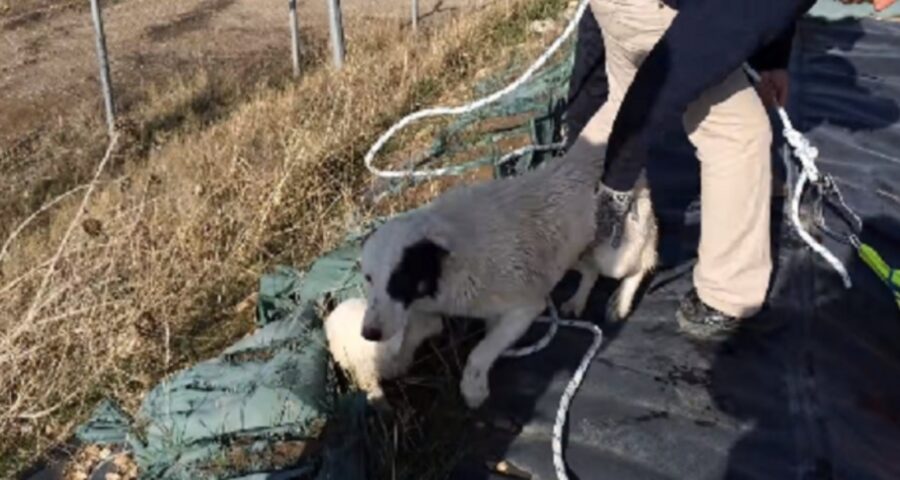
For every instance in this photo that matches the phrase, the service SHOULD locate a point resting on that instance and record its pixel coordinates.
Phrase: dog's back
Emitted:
(517, 236)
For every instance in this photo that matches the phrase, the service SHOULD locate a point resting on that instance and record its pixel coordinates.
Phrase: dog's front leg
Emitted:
(505, 332)
(587, 268)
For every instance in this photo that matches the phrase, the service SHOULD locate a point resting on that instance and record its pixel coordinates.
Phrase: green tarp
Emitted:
(261, 405)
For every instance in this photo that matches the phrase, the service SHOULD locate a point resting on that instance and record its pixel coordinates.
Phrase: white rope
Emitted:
(544, 341)
(463, 109)
(806, 154)
(808, 239)
(562, 411)
(502, 160)
(565, 400)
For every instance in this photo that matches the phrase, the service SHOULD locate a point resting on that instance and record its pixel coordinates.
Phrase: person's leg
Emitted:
(629, 29)
(588, 88)
(729, 126)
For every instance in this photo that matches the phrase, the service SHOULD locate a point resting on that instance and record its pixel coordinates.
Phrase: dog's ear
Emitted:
(440, 233)
(418, 272)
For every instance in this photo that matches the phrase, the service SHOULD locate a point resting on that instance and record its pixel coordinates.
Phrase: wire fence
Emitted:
(336, 36)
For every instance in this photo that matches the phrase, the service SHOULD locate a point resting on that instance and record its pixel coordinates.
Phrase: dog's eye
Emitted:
(368, 278)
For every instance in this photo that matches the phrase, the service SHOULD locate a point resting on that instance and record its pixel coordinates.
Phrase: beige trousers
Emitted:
(730, 129)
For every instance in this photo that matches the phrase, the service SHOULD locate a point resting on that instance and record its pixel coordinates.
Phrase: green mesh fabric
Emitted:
(538, 105)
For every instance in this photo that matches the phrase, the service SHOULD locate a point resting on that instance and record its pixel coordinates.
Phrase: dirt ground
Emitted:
(49, 66)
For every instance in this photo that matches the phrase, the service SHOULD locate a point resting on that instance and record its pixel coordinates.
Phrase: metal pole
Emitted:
(415, 15)
(337, 32)
(295, 37)
(105, 82)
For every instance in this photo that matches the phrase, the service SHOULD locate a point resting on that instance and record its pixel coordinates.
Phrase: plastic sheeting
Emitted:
(809, 389)
(258, 410)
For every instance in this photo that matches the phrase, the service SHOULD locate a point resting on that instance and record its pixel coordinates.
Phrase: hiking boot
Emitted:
(702, 321)
(612, 208)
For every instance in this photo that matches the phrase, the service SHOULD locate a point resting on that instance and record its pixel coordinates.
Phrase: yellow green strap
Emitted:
(888, 275)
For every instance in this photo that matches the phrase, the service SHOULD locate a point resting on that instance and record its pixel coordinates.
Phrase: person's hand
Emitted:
(773, 87)
(879, 5)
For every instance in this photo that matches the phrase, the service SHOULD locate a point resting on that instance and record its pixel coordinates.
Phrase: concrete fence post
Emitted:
(415, 15)
(103, 60)
(336, 25)
(295, 37)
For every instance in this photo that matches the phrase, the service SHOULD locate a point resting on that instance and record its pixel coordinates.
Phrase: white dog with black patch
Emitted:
(493, 251)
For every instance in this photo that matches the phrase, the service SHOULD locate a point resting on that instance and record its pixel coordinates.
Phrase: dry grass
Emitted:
(89, 458)
(33, 8)
(61, 155)
(17, 13)
(174, 237)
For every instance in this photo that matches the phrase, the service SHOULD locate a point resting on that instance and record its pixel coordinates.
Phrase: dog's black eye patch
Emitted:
(417, 274)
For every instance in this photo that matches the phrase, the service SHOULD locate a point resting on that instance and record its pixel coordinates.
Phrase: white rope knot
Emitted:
(807, 154)
(803, 149)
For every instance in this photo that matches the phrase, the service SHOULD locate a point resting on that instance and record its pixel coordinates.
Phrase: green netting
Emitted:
(539, 104)
(262, 405)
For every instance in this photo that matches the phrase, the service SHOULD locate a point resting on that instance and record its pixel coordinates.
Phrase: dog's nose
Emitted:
(371, 334)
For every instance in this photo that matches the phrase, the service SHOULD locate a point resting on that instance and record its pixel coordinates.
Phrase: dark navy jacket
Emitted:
(707, 41)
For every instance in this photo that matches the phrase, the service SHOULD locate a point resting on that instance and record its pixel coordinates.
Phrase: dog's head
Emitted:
(402, 263)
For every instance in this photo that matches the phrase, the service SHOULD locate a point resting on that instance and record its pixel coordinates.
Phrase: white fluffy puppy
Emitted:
(493, 251)
(369, 362)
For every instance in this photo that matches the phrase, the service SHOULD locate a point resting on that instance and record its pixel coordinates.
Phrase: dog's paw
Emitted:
(617, 307)
(474, 387)
(612, 311)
